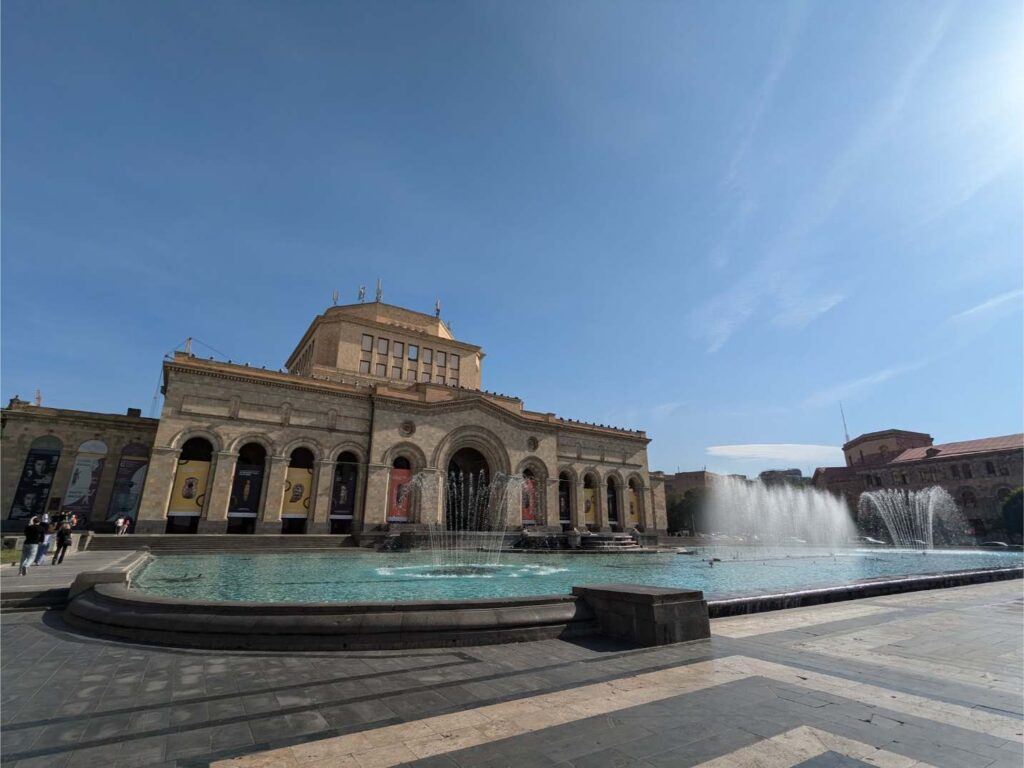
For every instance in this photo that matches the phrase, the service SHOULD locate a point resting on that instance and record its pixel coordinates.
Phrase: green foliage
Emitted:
(684, 512)
(1013, 512)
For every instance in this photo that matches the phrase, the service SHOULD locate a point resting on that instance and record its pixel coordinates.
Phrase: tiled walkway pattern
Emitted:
(912, 680)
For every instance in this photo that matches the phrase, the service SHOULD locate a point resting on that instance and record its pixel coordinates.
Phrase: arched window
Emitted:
(85, 478)
(36, 478)
(400, 491)
(343, 493)
(298, 491)
(247, 488)
(188, 497)
(128, 482)
(633, 503)
(613, 503)
(564, 501)
(401, 462)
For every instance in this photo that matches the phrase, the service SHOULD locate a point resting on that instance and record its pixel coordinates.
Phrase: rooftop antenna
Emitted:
(380, 292)
(437, 308)
(39, 397)
(334, 298)
(846, 432)
(362, 293)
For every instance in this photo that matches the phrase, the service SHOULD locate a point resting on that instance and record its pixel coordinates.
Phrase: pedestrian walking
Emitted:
(64, 539)
(34, 533)
(44, 545)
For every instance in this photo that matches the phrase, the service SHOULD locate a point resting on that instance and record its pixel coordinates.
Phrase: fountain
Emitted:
(913, 518)
(779, 515)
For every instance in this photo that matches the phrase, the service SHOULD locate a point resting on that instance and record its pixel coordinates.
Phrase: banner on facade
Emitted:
(589, 505)
(529, 501)
(634, 505)
(343, 493)
(34, 486)
(298, 490)
(245, 491)
(400, 496)
(128, 482)
(85, 478)
(564, 517)
(189, 493)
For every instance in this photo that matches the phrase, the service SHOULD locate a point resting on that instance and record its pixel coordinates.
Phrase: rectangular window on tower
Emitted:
(428, 356)
(382, 346)
(439, 379)
(453, 382)
(990, 468)
(367, 342)
(381, 369)
(441, 359)
(398, 350)
(364, 366)
(425, 376)
(414, 352)
(396, 372)
(453, 362)
(410, 375)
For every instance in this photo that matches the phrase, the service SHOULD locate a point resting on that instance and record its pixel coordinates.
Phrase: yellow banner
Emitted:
(298, 488)
(589, 505)
(634, 506)
(189, 492)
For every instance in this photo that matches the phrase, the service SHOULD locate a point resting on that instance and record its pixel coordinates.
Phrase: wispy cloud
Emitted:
(1004, 302)
(848, 390)
(792, 453)
(662, 410)
(766, 286)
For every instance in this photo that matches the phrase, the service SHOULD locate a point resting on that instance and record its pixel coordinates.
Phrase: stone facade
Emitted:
(978, 474)
(326, 415)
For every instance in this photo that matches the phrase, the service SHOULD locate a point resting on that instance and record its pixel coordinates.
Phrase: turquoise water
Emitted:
(380, 577)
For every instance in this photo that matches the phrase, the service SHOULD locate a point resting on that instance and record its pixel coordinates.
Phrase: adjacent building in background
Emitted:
(380, 406)
(783, 477)
(978, 474)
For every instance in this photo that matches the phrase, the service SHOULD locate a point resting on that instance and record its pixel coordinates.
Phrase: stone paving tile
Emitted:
(85, 701)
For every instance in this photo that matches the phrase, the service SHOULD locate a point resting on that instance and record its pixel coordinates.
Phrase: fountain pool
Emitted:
(382, 577)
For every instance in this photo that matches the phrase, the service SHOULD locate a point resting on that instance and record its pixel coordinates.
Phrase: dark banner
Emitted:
(245, 491)
(343, 495)
(34, 486)
(85, 478)
(131, 476)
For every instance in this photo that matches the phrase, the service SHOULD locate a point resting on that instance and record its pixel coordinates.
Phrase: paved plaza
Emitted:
(928, 678)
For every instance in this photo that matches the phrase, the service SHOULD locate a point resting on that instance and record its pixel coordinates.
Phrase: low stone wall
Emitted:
(757, 603)
(647, 615)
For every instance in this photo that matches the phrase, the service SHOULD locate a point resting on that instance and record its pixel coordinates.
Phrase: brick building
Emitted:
(978, 474)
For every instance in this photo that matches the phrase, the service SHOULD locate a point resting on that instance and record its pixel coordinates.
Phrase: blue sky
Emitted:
(709, 220)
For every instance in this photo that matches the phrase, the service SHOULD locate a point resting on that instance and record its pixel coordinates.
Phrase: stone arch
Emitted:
(636, 492)
(47, 443)
(353, 448)
(410, 451)
(572, 474)
(483, 440)
(539, 468)
(304, 442)
(252, 437)
(207, 434)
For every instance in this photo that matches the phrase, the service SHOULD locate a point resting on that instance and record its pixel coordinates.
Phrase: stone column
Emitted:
(163, 465)
(375, 505)
(270, 521)
(431, 498)
(577, 513)
(602, 506)
(215, 517)
(319, 516)
(550, 502)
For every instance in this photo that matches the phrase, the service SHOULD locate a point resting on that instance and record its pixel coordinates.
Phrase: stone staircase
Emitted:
(198, 542)
(609, 542)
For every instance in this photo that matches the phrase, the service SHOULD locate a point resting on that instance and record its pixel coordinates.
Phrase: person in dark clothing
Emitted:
(64, 538)
(34, 534)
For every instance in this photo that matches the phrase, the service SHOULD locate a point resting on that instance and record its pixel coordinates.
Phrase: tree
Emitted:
(1013, 513)
(684, 512)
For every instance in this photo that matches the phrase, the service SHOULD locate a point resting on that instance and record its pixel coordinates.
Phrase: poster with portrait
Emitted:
(343, 494)
(634, 506)
(34, 486)
(400, 496)
(564, 515)
(245, 490)
(189, 492)
(128, 482)
(298, 490)
(529, 494)
(85, 478)
(589, 505)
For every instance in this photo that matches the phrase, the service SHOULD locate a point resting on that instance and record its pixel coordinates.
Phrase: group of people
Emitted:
(122, 524)
(40, 534)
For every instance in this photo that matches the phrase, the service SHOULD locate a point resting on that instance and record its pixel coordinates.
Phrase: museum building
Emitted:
(376, 409)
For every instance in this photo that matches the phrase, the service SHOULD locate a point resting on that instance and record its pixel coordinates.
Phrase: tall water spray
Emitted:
(778, 514)
(914, 518)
